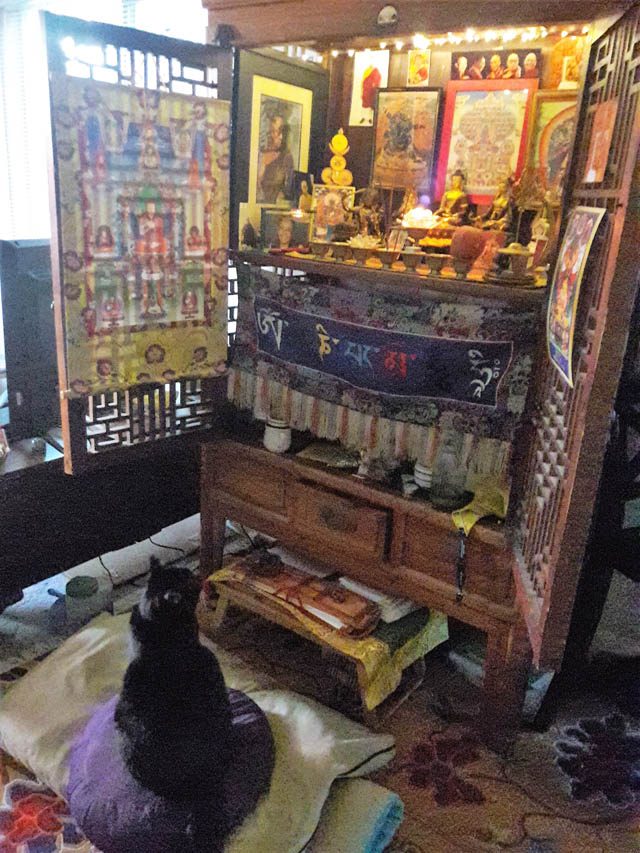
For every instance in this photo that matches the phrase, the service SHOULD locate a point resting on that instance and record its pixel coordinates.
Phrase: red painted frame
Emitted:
(456, 86)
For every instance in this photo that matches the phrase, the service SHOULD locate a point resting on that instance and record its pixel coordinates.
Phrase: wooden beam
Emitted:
(267, 22)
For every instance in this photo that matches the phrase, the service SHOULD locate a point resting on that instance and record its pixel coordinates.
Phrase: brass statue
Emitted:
(454, 204)
(499, 216)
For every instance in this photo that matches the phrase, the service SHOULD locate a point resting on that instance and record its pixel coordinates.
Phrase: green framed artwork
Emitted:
(551, 136)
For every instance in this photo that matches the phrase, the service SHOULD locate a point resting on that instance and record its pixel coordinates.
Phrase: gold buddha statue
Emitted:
(499, 215)
(454, 203)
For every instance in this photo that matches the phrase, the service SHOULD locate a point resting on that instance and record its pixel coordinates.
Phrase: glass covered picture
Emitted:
(551, 137)
(144, 185)
(484, 134)
(405, 137)
(280, 133)
(496, 65)
(565, 287)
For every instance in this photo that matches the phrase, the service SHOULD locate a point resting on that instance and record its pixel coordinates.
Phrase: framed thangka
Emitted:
(484, 134)
(331, 206)
(143, 199)
(406, 129)
(551, 137)
(565, 287)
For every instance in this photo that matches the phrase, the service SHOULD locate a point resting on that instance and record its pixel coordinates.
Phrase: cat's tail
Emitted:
(208, 828)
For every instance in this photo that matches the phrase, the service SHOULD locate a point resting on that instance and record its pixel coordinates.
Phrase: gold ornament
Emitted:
(339, 143)
(336, 173)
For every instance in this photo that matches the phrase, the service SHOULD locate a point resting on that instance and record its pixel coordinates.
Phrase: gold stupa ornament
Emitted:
(336, 173)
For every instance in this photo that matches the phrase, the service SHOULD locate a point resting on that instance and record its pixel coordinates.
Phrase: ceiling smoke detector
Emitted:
(388, 16)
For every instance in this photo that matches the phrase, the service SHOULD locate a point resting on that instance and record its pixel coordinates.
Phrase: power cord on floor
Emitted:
(113, 583)
(168, 547)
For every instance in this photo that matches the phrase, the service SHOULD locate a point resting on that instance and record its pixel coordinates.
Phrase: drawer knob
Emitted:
(335, 520)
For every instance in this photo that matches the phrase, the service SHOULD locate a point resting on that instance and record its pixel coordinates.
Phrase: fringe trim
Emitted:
(382, 437)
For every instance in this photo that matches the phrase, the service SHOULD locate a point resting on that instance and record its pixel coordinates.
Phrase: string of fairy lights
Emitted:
(470, 36)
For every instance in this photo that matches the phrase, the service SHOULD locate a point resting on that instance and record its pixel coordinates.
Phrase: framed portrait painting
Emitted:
(280, 137)
(280, 230)
(370, 73)
(565, 287)
(484, 134)
(405, 138)
(551, 136)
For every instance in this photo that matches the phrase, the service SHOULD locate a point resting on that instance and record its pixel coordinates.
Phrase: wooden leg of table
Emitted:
(506, 671)
(213, 525)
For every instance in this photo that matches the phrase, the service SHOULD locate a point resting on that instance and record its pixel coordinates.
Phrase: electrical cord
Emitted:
(113, 583)
(168, 547)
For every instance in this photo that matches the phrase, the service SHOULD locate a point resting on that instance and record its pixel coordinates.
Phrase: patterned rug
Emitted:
(575, 787)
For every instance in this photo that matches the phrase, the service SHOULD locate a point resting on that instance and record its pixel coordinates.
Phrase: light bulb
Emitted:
(399, 45)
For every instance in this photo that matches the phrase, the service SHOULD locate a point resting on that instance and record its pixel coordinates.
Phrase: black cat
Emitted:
(173, 714)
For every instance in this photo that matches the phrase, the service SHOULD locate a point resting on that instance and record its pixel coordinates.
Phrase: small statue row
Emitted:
(454, 206)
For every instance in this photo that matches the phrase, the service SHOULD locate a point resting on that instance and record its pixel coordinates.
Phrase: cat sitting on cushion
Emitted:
(173, 714)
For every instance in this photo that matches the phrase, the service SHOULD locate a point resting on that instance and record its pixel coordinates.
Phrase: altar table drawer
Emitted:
(340, 521)
(434, 550)
(260, 485)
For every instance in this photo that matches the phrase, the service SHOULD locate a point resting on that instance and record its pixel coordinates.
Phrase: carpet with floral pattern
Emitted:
(575, 787)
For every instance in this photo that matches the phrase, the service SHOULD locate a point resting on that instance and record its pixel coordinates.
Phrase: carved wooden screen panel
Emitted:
(571, 425)
(129, 58)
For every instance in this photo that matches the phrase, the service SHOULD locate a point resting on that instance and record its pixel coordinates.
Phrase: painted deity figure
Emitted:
(149, 143)
(151, 239)
(454, 203)
(305, 199)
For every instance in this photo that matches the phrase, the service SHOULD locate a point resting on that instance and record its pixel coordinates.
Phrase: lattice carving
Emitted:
(146, 413)
(560, 412)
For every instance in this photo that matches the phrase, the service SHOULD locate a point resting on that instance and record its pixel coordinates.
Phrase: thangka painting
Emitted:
(405, 137)
(143, 202)
(565, 288)
(484, 134)
(551, 137)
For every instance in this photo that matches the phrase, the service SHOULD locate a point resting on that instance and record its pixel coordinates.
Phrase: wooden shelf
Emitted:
(458, 290)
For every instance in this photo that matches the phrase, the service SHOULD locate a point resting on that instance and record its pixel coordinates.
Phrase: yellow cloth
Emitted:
(490, 498)
(383, 669)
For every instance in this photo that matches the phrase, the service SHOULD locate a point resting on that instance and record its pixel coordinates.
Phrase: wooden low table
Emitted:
(235, 593)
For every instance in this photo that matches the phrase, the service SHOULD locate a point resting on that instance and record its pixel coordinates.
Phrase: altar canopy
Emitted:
(143, 199)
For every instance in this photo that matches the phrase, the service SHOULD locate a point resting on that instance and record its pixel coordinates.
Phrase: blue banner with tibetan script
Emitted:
(390, 363)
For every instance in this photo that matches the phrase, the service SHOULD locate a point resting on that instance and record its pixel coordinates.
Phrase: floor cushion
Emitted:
(43, 714)
(120, 815)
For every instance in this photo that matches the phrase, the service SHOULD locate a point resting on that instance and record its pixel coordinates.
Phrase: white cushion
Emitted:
(41, 714)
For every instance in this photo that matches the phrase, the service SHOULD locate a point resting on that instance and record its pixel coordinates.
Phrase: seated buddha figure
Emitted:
(454, 203)
(499, 215)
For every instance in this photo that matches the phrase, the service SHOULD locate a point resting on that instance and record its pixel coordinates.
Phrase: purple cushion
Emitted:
(119, 815)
